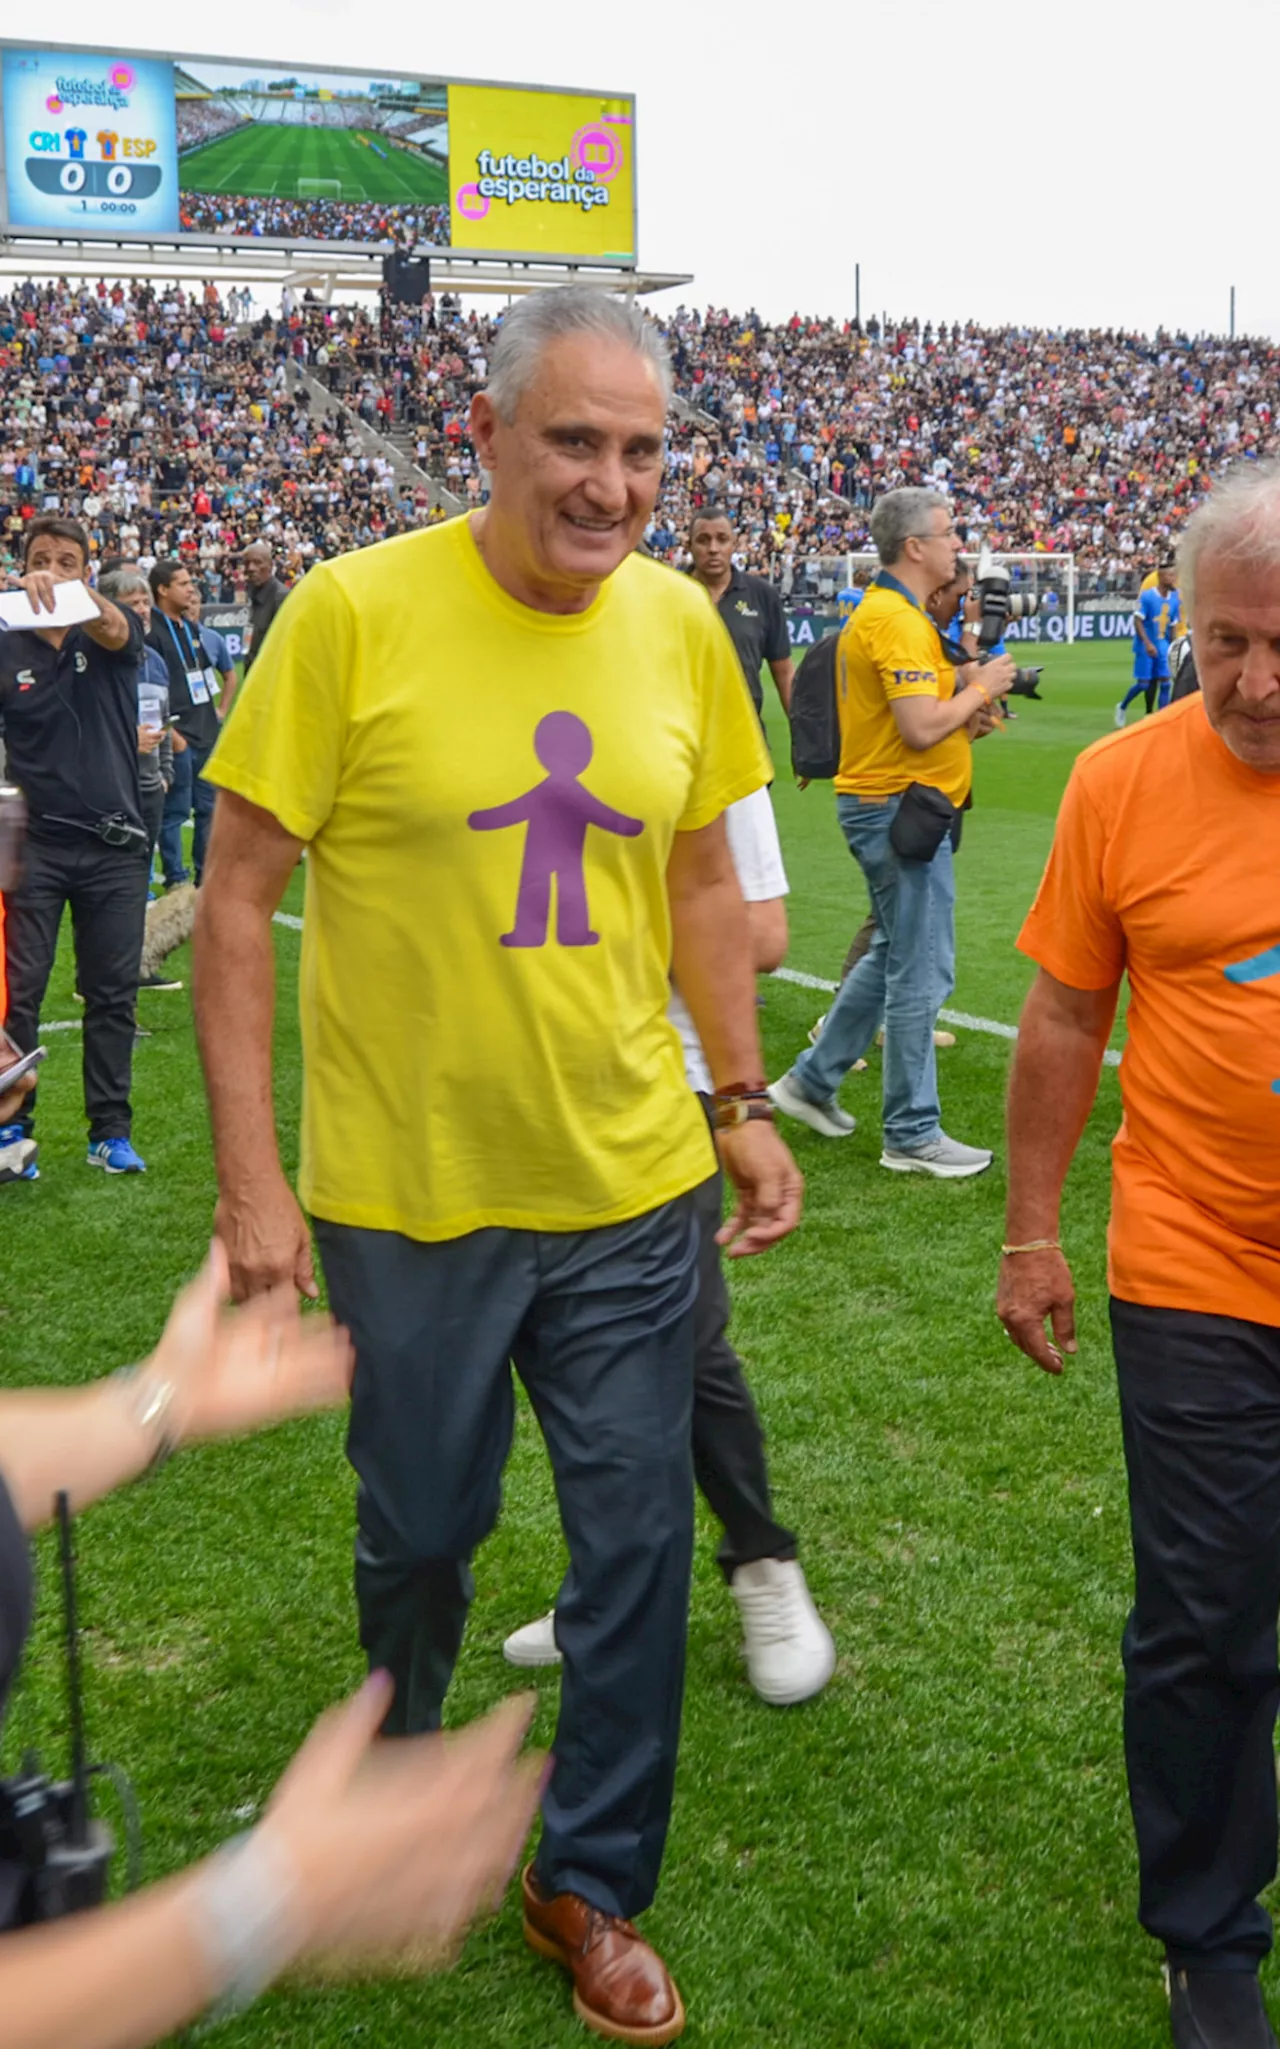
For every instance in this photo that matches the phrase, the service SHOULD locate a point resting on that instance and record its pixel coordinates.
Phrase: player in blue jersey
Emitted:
(1155, 621)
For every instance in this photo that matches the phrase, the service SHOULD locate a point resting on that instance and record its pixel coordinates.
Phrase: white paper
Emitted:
(71, 605)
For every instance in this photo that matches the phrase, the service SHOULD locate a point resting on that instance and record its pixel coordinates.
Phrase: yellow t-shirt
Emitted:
(490, 795)
(891, 648)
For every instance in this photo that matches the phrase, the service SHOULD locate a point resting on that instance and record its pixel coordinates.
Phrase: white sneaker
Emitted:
(943, 1157)
(815, 1029)
(16, 1155)
(1119, 714)
(535, 1644)
(827, 1118)
(790, 1654)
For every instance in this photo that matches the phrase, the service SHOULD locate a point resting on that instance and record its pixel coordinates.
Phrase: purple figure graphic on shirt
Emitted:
(557, 813)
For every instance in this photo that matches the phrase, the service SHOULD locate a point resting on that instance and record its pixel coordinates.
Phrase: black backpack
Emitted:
(815, 715)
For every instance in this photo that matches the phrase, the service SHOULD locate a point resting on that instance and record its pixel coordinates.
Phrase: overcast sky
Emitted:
(1103, 163)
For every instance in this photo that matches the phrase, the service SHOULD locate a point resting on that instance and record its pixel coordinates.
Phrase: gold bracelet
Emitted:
(1032, 1245)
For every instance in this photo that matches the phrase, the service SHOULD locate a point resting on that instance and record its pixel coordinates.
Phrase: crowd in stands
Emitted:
(167, 427)
(1092, 443)
(145, 414)
(313, 220)
(201, 121)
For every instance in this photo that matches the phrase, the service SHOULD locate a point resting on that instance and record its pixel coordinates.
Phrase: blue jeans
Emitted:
(904, 978)
(188, 790)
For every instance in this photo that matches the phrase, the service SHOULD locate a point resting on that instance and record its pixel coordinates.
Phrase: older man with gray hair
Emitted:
(907, 724)
(507, 744)
(1192, 917)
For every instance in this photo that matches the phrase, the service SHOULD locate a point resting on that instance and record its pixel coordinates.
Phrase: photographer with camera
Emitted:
(367, 1853)
(69, 701)
(908, 720)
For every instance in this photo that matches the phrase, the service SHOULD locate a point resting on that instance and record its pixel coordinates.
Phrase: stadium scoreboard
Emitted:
(132, 146)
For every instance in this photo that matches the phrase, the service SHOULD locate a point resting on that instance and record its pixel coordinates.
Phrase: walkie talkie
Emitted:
(45, 1826)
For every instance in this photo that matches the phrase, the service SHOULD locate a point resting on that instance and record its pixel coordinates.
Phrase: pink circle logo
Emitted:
(471, 202)
(53, 103)
(596, 150)
(123, 77)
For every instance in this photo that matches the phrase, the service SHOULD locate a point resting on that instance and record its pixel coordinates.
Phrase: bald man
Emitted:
(266, 595)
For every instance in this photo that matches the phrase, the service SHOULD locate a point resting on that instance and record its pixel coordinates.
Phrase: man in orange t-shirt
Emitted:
(1166, 867)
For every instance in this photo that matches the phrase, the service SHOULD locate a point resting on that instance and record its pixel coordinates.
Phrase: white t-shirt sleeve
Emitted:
(755, 847)
(757, 857)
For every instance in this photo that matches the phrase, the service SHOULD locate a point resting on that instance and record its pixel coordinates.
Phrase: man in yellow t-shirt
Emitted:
(906, 733)
(507, 744)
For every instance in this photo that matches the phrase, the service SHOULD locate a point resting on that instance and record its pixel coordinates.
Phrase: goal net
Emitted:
(319, 188)
(1050, 579)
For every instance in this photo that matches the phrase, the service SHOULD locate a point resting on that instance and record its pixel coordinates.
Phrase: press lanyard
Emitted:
(192, 659)
(198, 675)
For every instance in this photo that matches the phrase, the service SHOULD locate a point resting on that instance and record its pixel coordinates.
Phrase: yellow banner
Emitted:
(542, 173)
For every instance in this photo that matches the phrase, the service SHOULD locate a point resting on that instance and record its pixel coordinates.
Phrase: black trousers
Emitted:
(599, 1326)
(1200, 1407)
(106, 889)
(153, 795)
(728, 1443)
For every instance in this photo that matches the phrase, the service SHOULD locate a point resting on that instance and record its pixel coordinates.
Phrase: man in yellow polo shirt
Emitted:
(906, 735)
(506, 744)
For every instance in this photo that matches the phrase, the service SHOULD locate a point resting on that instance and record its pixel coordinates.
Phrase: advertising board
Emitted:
(108, 142)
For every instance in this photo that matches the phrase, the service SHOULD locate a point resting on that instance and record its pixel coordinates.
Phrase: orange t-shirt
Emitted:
(1166, 864)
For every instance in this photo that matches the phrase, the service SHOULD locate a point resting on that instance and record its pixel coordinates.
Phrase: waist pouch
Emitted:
(922, 821)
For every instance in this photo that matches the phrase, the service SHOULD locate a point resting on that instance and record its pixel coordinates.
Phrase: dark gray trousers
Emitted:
(599, 1326)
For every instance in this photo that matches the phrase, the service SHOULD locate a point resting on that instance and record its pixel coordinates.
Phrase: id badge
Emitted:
(213, 681)
(197, 686)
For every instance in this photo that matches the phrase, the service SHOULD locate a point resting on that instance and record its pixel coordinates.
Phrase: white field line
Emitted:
(990, 1025)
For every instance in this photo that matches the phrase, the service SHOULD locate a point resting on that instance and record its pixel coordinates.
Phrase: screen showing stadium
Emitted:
(108, 143)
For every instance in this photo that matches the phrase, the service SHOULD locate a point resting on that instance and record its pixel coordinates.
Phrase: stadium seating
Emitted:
(148, 414)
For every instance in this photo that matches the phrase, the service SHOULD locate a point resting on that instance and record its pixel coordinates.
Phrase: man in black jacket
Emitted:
(69, 697)
(194, 685)
(266, 595)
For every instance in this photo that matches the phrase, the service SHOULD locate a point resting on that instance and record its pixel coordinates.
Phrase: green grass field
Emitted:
(268, 159)
(937, 1851)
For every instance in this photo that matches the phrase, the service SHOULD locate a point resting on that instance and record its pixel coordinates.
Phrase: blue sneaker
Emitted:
(17, 1155)
(117, 1156)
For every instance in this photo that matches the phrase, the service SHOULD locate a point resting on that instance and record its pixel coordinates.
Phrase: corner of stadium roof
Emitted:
(329, 268)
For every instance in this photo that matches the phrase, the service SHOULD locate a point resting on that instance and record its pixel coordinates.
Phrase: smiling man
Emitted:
(1193, 919)
(507, 744)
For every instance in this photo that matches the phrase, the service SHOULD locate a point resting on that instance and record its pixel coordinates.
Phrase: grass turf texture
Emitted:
(935, 1852)
(268, 159)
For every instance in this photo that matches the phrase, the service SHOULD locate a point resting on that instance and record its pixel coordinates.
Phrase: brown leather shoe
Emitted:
(621, 1987)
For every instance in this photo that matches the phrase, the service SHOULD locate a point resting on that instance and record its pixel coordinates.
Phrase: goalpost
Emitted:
(319, 188)
(1051, 579)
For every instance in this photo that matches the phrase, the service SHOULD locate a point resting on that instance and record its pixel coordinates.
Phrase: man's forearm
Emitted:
(234, 992)
(1051, 1092)
(110, 629)
(713, 970)
(924, 722)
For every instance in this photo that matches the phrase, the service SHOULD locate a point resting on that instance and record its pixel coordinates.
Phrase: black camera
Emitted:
(46, 1829)
(1000, 604)
(62, 1852)
(1024, 683)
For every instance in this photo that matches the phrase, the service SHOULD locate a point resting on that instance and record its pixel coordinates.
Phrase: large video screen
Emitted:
(112, 143)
